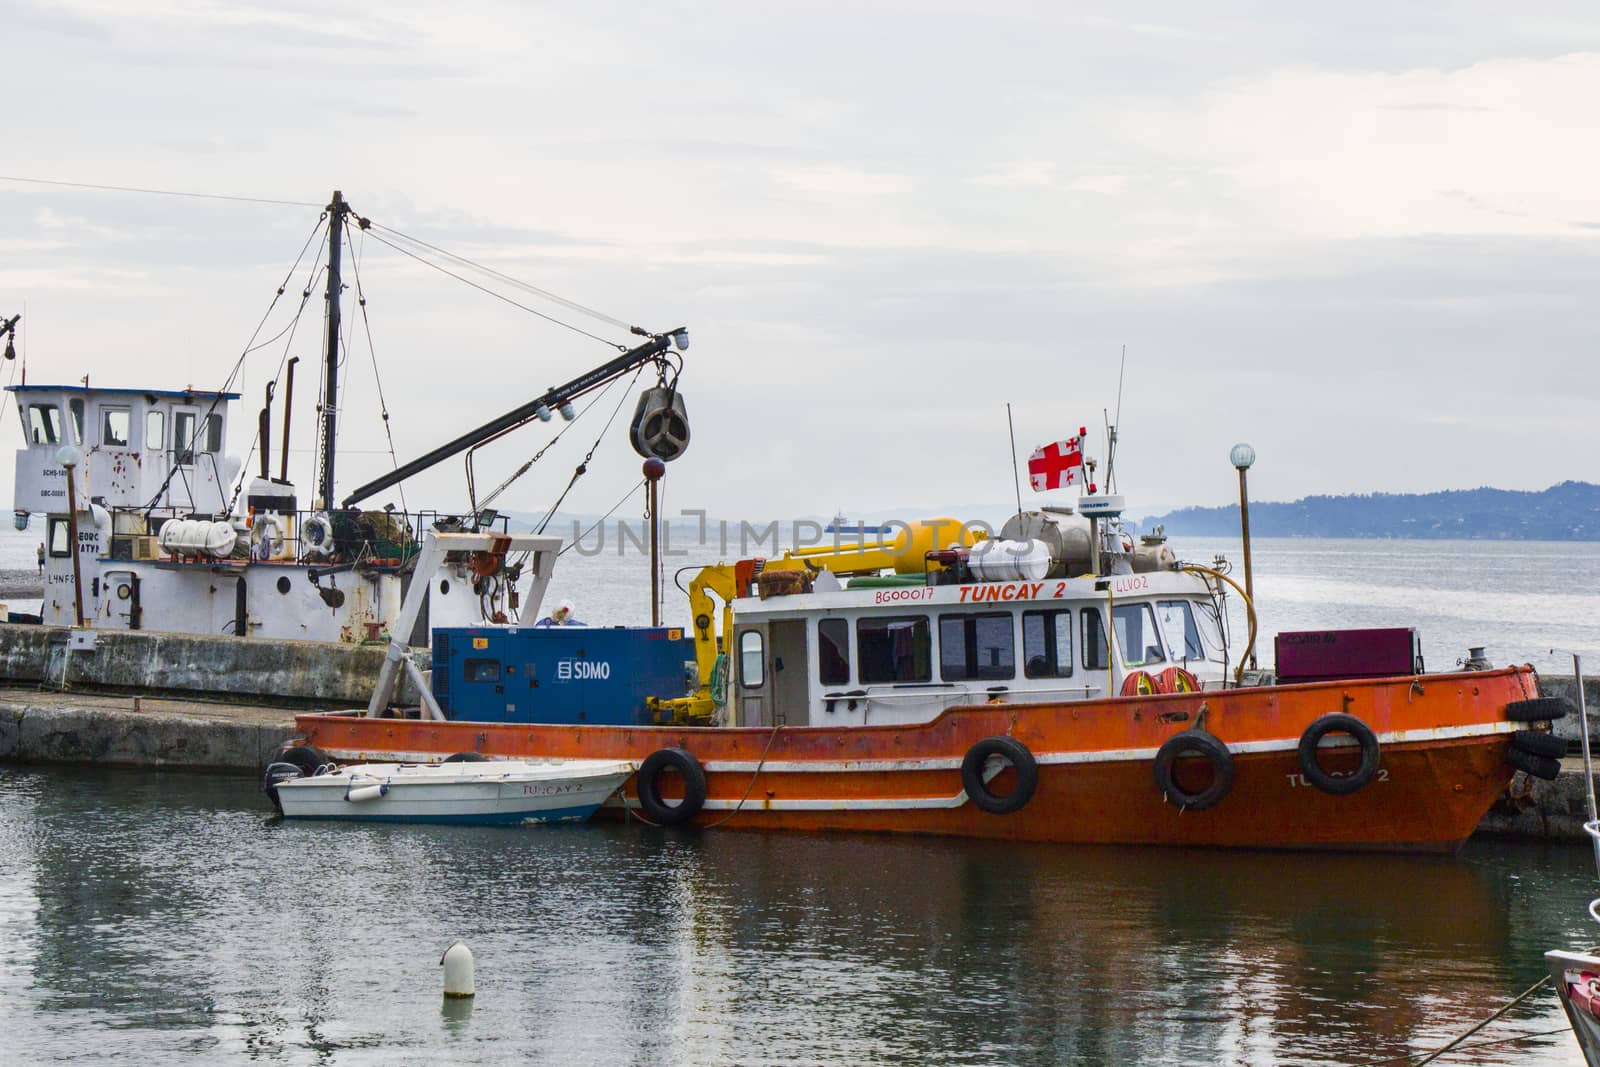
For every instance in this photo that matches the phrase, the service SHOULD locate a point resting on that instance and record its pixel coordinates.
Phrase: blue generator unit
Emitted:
(558, 674)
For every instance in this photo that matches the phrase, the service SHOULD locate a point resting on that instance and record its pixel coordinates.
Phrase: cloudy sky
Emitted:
(1366, 240)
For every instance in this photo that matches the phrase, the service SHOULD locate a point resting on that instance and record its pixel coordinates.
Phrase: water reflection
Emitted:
(151, 915)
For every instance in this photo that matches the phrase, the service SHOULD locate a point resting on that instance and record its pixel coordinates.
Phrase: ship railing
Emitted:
(395, 537)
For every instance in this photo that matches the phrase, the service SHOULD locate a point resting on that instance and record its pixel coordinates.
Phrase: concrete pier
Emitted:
(304, 674)
(38, 726)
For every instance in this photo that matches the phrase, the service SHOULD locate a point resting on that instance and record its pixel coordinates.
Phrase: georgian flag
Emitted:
(1056, 464)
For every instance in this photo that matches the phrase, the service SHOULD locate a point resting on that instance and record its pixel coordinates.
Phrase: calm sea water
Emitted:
(152, 916)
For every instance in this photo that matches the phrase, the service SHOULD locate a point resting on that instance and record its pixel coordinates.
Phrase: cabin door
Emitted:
(119, 595)
(751, 678)
(791, 703)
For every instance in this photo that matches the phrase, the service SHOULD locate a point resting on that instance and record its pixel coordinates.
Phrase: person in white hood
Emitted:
(561, 616)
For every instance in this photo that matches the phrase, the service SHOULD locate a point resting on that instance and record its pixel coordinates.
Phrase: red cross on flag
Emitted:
(1056, 464)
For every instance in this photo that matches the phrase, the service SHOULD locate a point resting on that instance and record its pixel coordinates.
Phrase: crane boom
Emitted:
(651, 351)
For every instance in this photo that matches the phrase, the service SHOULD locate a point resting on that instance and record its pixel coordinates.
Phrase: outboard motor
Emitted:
(660, 426)
(275, 775)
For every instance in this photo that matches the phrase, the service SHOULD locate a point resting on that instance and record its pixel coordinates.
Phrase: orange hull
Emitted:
(1442, 765)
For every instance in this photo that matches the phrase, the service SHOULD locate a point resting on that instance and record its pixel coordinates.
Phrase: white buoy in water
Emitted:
(457, 962)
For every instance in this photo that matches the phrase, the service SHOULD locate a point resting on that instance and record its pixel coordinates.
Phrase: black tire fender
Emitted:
(648, 784)
(1546, 767)
(1193, 743)
(465, 757)
(1007, 748)
(1539, 709)
(1339, 722)
(307, 757)
(1539, 743)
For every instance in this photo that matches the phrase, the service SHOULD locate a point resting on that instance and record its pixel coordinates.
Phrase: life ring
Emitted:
(1339, 785)
(1141, 684)
(648, 784)
(977, 759)
(1177, 680)
(267, 535)
(1193, 743)
(316, 536)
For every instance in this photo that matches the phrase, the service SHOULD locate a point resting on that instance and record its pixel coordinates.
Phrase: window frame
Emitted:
(972, 668)
(839, 648)
(1190, 624)
(46, 417)
(154, 441)
(761, 659)
(1050, 620)
(1092, 615)
(53, 525)
(183, 448)
(106, 412)
(922, 638)
(1154, 627)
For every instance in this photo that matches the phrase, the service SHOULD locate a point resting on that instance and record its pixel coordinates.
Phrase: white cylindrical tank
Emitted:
(1065, 533)
(199, 537)
(1009, 561)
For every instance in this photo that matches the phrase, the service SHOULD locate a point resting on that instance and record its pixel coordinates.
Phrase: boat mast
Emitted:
(337, 210)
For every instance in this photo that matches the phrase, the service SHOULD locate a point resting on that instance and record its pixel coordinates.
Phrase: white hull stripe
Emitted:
(1108, 755)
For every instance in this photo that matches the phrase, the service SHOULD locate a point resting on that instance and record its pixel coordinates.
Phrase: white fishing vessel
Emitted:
(477, 793)
(150, 525)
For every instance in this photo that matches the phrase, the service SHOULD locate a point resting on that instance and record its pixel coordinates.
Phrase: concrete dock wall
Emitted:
(34, 734)
(304, 674)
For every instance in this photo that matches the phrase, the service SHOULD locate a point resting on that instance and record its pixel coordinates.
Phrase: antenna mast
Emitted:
(1016, 474)
(1111, 427)
(337, 210)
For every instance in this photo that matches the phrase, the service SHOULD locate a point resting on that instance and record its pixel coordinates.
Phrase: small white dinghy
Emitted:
(486, 793)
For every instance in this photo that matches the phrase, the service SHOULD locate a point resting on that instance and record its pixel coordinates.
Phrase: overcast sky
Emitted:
(1367, 242)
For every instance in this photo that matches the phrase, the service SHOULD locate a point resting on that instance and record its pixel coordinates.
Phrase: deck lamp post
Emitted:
(69, 458)
(1242, 456)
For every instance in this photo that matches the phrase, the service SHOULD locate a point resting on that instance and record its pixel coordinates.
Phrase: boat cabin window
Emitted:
(1095, 656)
(57, 536)
(115, 425)
(481, 670)
(894, 649)
(213, 433)
(44, 423)
(977, 647)
(1177, 619)
(153, 428)
(833, 652)
(752, 660)
(183, 423)
(76, 404)
(1047, 644)
(1137, 637)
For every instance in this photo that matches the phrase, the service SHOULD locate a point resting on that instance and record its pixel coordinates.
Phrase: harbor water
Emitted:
(149, 917)
(155, 918)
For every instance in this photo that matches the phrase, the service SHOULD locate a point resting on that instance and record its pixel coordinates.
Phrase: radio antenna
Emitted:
(1111, 427)
(1016, 473)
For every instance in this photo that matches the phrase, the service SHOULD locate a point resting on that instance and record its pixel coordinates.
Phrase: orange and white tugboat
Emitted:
(1058, 681)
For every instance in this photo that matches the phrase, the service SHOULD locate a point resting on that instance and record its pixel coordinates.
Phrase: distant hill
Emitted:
(1566, 512)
